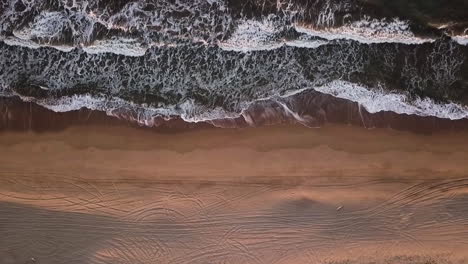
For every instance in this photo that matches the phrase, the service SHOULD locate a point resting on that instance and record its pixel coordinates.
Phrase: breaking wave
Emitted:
(377, 100)
(212, 59)
(368, 31)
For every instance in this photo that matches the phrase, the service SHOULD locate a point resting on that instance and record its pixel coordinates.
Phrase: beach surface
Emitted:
(274, 194)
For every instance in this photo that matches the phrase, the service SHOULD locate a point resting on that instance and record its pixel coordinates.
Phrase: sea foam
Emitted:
(367, 30)
(377, 100)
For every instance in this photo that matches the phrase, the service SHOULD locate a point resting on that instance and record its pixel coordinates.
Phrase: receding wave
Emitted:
(373, 101)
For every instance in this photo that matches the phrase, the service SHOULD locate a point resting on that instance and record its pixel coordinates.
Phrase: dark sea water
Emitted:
(204, 60)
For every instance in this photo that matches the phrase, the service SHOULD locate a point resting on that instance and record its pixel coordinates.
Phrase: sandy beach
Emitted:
(271, 194)
(269, 151)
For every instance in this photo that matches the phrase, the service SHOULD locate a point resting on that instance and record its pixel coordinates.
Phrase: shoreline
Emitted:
(318, 110)
(251, 153)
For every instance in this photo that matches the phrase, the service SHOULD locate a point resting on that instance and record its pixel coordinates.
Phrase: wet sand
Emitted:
(273, 194)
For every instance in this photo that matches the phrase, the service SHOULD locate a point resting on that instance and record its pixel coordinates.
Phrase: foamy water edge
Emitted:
(373, 100)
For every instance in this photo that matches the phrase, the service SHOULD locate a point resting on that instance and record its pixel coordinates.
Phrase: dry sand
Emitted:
(277, 194)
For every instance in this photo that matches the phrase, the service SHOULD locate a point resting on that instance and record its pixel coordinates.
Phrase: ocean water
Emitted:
(204, 60)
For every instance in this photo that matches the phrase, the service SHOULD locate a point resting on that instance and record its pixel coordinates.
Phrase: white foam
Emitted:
(14, 41)
(462, 39)
(71, 103)
(378, 100)
(367, 31)
(194, 113)
(121, 46)
(253, 35)
(112, 106)
(304, 42)
(46, 26)
(188, 111)
(49, 25)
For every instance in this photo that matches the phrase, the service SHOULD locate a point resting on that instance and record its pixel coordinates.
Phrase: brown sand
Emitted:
(278, 194)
